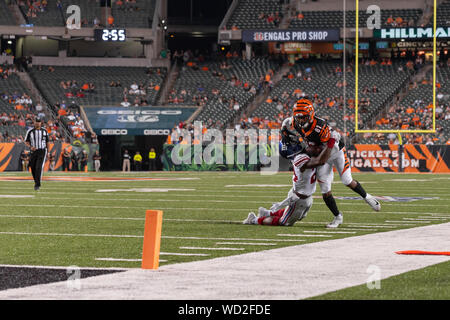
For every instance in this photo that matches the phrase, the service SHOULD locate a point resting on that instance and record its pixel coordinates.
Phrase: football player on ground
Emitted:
(315, 131)
(299, 200)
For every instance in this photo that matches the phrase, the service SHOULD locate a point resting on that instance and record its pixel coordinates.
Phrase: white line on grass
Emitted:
(171, 208)
(183, 254)
(135, 236)
(426, 219)
(230, 239)
(213, 249)
(303, 235)
(123, 260)
(403, 221)
(325, 231)
(247, 243)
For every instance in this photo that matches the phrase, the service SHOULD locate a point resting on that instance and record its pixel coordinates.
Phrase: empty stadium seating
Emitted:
(323, 83)
(49, 83)
(246, 14)
(136, 15)
(6, 17)
(334, 19)
(200, 81)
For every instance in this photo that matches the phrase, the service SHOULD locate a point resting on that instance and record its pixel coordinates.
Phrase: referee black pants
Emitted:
(37, 161)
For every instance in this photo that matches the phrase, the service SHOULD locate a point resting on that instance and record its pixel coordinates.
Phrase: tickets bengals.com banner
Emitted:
(386, 158)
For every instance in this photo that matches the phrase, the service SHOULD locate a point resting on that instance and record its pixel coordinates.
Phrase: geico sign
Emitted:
(114, 132)
(156, 132)
(141, 112)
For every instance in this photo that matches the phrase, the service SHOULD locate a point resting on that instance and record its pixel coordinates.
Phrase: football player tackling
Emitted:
(315, 131)
(299, 200)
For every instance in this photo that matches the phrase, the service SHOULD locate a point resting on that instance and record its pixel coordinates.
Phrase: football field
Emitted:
(97, 220)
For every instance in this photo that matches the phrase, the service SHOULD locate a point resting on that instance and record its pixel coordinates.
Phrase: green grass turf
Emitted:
(430, 283)
(69, 223)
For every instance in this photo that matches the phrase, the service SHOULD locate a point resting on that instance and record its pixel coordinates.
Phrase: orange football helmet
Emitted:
(303, 112)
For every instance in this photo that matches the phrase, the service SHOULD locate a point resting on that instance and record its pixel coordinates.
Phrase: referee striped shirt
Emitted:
(38, 138)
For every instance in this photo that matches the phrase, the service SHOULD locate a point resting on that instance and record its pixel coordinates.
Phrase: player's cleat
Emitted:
(263, 212)
(338, 220)
(36, 188)
(373, 202)
(251, 219)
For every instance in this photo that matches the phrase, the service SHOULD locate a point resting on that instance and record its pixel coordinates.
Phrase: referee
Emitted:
(36, 139)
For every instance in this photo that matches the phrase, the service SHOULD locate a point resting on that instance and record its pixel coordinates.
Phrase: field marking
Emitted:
(426, 219)
(303, 235)
(64, 267)
(181, 208)
(137, 236)
(143, 190)
(68, 217)
(123, 260)
(403, 221)
(357, 229)
(71, 234)
(229, 239)
(325, 231)
(433, 218)
(247, 243)
(258, 185)
(213, 249)
(198, 280)
(15, 196)
(362, 225)
(184, 254)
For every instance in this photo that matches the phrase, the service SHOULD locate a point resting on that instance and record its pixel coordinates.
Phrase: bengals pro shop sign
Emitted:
(136, 121)
(298, 35)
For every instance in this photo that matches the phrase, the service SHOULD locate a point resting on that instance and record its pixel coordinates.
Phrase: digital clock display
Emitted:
(110, 35)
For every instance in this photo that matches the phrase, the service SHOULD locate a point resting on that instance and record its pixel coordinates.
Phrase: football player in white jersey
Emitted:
(299, 200)
(315, 131)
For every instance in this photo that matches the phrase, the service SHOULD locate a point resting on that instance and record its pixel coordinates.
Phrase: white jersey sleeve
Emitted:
(303, 182)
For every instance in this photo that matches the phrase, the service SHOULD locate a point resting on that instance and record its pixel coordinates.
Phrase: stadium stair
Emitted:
(169, 84)
(37, 96)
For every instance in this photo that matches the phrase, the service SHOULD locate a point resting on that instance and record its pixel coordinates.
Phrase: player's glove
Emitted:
(335, 135)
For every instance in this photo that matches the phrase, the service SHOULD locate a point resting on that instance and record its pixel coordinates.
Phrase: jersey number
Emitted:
(313, 177)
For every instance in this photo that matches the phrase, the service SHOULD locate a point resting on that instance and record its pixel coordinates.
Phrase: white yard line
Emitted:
(326, 266)
(303, 235)
(183, 254)
(212, 249)
(247, 243)
(123, 260)
(325, 231)
(138, 236)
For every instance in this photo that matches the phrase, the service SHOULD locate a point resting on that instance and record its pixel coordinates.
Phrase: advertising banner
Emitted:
(411, 33)
(138, 121)
(10, 155)
(299, 35)
(386, 158)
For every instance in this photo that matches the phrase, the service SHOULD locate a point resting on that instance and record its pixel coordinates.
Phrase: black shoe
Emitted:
(36, 188)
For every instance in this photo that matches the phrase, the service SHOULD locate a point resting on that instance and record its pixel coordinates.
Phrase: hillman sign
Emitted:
(411, 33)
